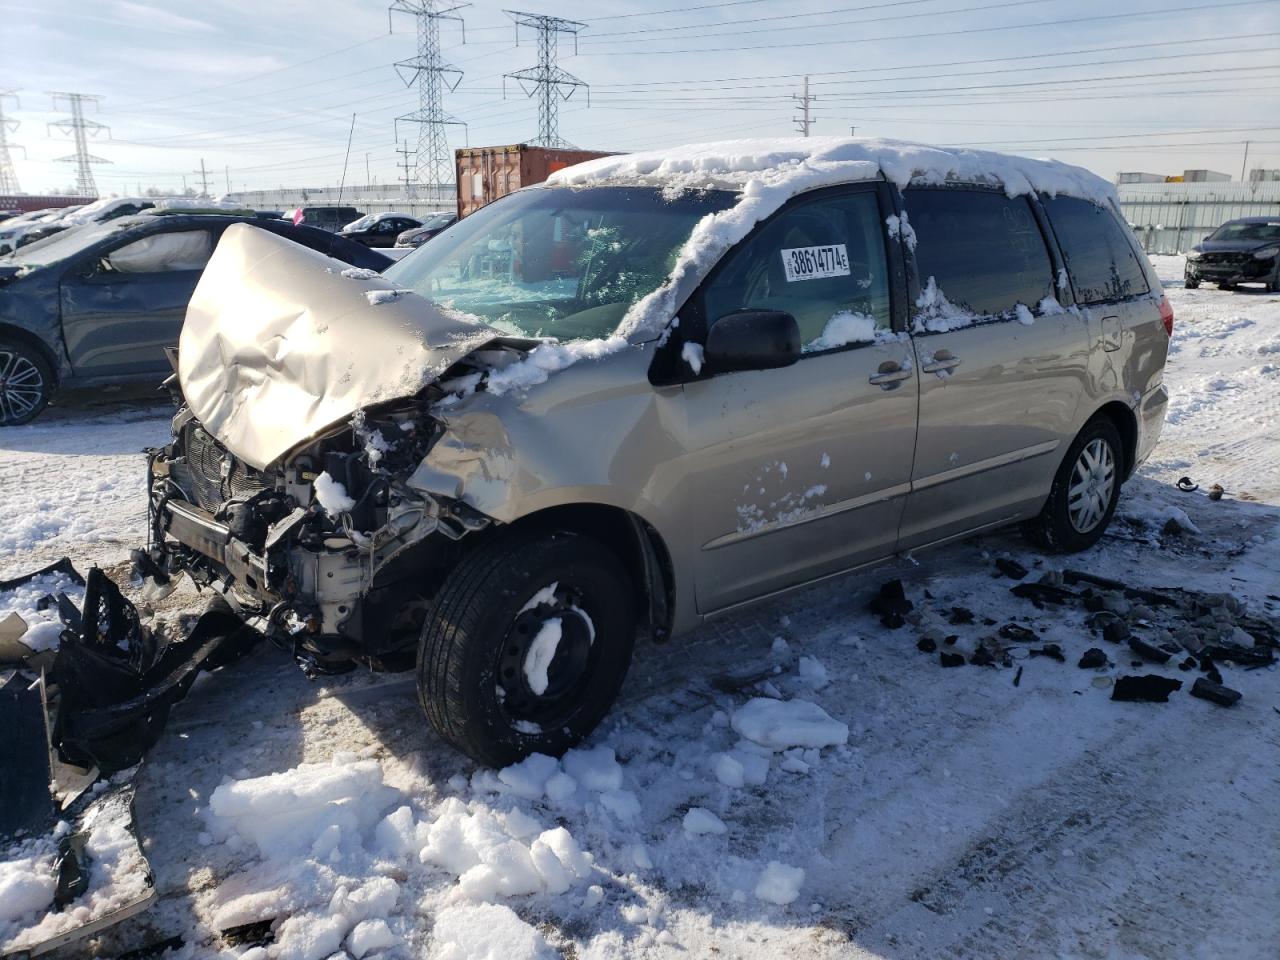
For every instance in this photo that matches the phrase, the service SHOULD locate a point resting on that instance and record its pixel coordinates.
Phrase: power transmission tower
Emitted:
(204, 178)
(80, 130)
(804, 121)
(8, 174)
(406, 165)
(547, 81)
(433, 162)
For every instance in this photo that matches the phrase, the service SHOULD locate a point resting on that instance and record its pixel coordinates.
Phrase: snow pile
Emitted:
(377, 297)
(780, 724)
(541, 652)
(691, 353)
(361, 273)
(779, 883)
(313, 807)
(486, 932)
(847, 327)
(548, 358)
(43, 625)
(900, 229)
(331, 495)
(26, 887)
(700, 820)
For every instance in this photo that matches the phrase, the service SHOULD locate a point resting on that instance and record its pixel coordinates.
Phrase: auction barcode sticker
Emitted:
(814, 263)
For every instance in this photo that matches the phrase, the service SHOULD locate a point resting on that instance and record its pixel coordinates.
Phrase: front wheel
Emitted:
(1084, 493)
(526, 645)
(26, 383)
(1191, 284)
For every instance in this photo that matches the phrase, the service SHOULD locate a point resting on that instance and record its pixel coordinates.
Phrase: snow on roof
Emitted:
(806, 163)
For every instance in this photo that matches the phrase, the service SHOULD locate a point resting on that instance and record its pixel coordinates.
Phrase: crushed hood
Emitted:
(278, 344)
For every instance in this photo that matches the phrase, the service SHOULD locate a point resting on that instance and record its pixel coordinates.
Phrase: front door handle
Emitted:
(890, 375)
(939, 362)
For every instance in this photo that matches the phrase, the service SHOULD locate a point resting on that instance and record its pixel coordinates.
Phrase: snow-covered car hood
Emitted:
(281, 342)
(1232, 246)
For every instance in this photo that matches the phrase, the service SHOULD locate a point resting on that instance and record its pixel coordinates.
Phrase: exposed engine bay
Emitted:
(319, 550)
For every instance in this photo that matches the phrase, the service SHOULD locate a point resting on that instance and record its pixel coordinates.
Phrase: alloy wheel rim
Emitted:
(21, 386)
(1093, 479)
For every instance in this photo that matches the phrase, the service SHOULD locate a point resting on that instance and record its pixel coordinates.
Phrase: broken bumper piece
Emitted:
(77, 716)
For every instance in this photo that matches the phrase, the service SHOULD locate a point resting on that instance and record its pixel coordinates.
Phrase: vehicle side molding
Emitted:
(752, 340)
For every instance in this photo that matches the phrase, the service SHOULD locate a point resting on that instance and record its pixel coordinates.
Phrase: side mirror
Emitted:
(752, 340)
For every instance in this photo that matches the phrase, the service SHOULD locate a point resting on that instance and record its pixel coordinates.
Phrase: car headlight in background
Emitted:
(1266, 253)
(1193, 255)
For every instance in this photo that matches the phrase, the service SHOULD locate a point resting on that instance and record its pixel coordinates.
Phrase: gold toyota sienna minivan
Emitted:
(651, 390)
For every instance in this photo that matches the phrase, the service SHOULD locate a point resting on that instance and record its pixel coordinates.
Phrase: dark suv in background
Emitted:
(1240, 251)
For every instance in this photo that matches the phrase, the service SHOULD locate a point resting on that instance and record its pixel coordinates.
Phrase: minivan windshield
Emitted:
(555, 261)
(1245, 230)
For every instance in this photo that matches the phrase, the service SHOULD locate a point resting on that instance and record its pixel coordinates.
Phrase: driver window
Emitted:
(161, 253)
(823, 262)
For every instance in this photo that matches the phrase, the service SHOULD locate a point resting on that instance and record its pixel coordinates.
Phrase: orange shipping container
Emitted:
(487, 173)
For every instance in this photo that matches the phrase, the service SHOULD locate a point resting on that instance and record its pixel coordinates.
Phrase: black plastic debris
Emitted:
(950, 639)
(891, 604)
(1188, 664)
(1044, 593)
(1018, 633)
(951, 659)
(255, 933)
(1149, 651)
(1017, 677)
(1257, 656)
(1153, 597)
(1148, 688)
(26, 805)
(926, 645)
(1187, 485)
(983, 657)
(960, 616)
(1011, 568)
(72, 870)
(1115, 631)
(1206, 689)
(1092, 659)
(1050, 650)
(63, 566)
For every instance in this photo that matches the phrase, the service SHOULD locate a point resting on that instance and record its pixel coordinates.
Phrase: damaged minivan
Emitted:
(652, 390)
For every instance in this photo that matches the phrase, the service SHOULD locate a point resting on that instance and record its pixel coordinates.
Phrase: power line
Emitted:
(80, 130)
(433, 161)
(8, 173)
(1198, 8)
(547, 80)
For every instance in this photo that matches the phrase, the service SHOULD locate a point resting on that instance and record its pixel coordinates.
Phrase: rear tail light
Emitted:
(1166, 315)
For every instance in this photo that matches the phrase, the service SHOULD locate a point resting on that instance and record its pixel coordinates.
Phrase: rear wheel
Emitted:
(26, 382)
(526, 645)
(1084, 493)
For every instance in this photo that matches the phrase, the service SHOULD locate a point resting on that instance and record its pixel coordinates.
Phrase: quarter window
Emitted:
(1097, 251)
(979, 249)
(821, 261)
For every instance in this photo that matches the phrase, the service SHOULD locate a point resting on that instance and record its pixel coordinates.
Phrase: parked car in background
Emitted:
(379, 229)
(631, 398)
(332, 219)
(99, 303)
(1240, 251)
(417, 236)
(29, 227)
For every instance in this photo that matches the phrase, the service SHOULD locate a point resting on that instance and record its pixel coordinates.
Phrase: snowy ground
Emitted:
(965, 816)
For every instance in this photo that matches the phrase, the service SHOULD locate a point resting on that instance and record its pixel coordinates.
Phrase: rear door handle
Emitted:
(890, 375)
(941, 361)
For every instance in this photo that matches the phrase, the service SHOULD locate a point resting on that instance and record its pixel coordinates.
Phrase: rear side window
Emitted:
(980, 250)
(1097, 251)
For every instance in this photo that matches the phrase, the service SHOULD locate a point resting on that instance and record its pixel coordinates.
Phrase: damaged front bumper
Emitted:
(335, 587)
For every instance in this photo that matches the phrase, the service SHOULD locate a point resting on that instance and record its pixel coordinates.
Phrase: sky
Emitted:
(264, 93)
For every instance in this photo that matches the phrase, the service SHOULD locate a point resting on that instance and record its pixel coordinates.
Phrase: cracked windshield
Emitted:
(558, 262)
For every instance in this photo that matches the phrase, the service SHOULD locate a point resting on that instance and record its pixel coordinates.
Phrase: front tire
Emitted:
(1191, 284)
(26, 383)
(1084, 493)
(526, 645)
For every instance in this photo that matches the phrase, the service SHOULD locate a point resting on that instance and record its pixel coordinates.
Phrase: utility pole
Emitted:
(547, 81)
(433, 161)
(226, 172)
(406, 166)
(804, 121)
(8, 173)
(204, 178)
(367, 177)
(1243, 163)
(80, 130)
